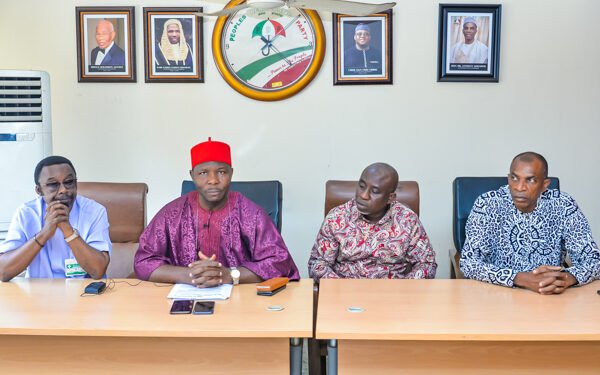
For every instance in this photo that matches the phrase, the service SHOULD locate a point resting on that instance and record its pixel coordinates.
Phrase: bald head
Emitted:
(106, 25)
(105, 33)
(386, 172)
(376, 190)
(527, 180)
(530, 157)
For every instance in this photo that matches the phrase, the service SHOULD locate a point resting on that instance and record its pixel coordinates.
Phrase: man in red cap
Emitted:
(212, 236)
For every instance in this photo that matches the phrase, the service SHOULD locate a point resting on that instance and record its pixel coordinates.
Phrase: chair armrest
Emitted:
(455, 272)
(121, 261)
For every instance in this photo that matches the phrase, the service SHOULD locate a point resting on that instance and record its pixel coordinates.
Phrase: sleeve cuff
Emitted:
(144, 270)
(580, 275)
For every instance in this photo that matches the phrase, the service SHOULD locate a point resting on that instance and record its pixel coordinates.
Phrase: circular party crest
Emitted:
(268, 54)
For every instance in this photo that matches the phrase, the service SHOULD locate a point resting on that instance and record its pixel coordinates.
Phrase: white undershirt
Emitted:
(100, 55)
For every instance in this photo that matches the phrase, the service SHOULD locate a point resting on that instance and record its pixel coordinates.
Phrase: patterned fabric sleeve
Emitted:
(152, 251)
(474, 258)
(580, 245)
(269, 256)
(420, 253)
(324, 251)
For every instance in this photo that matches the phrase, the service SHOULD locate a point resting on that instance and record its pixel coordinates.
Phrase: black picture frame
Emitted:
(348, 68)
(459, 61)
(105, 44)
(157, 63)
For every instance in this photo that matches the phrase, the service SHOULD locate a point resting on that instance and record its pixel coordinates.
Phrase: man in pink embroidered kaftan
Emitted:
(372, 236)
(212, 235)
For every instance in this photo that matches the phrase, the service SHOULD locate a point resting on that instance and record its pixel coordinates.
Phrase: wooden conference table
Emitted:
(457, 327)
(47, 328)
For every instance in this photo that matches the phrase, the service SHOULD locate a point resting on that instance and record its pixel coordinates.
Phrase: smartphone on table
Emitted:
(182, 306)
(204, 307)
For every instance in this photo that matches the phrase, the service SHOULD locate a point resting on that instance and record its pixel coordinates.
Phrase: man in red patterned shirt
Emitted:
(373, 235)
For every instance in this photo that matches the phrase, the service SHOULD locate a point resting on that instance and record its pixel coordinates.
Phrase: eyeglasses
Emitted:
(53, 187)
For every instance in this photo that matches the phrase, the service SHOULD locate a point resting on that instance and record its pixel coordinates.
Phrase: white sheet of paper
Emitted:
(186, 291)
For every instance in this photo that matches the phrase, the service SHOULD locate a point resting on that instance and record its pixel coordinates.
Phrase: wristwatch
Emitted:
(73, 235)
(235, 275)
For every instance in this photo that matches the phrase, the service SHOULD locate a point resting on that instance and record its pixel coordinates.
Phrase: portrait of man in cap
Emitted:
(362, 55)
(470, 50)
(469, 43)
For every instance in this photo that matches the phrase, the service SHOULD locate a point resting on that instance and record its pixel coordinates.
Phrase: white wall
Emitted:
(547, 101)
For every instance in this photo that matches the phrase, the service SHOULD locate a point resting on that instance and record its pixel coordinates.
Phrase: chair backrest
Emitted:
(465, 190)
(339, 192)
(267, 194)
(125, 205)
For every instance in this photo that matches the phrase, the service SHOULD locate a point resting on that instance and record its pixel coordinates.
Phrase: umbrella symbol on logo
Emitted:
(268, 30)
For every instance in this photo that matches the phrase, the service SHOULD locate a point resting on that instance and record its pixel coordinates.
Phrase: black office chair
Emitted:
(267, 194)
(465, 190)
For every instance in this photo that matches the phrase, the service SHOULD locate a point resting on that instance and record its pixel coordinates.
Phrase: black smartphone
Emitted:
(204, 307)
(182, 306)
(271, 293)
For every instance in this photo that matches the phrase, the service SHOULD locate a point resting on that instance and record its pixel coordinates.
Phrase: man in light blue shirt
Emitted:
(58, 234)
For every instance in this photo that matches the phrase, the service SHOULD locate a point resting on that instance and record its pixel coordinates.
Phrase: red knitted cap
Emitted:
(210, 151)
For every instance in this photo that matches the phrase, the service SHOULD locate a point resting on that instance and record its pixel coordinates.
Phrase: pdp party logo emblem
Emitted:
(269, 50)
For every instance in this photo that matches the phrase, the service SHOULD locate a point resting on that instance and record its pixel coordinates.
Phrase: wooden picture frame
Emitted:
(105, 44)
(469, 43)
(176, 54)
(362, 49)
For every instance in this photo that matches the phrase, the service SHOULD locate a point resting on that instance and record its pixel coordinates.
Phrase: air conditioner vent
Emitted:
(25, 136)
(20, 99)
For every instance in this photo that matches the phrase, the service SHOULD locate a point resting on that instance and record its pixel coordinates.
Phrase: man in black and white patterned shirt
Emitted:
(519, 235)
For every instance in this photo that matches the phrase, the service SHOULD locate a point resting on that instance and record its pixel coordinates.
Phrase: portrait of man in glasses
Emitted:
(58, 234)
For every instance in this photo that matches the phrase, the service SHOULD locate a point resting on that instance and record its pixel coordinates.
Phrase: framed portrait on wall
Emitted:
(362, 49)
(173, 45)
(469, 43)
(105, 44)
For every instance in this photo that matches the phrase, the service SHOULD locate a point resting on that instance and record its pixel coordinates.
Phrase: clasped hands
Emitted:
(545, 280)
(207, 272)
(57, 216)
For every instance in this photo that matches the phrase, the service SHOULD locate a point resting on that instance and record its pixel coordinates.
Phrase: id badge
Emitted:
(73, 269)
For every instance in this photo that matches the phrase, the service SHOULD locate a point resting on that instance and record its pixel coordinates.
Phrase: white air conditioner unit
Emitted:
(25, 136)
